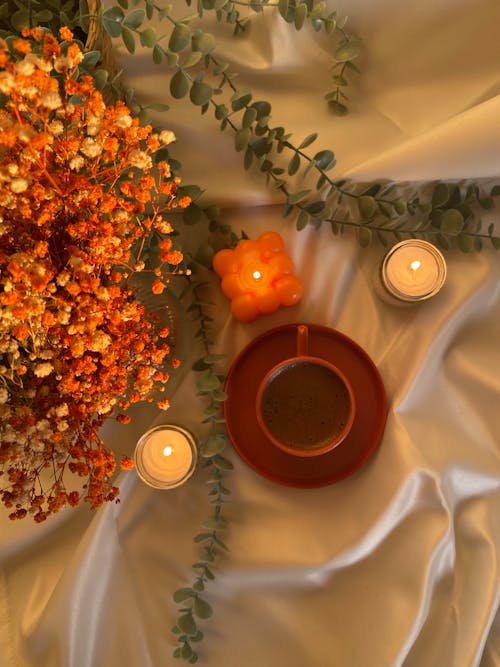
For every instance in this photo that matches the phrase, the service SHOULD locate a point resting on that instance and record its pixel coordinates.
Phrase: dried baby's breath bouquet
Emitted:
(83, 188)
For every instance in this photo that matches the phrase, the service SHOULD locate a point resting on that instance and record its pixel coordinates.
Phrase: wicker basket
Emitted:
(99, 40)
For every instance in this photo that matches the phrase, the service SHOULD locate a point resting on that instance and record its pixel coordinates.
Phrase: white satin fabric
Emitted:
(398, 565)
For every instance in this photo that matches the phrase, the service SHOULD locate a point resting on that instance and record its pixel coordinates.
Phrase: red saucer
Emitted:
(259, 453)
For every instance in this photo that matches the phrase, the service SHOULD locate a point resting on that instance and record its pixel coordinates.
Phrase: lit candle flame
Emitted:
(416, 264)
(168, 451)
(257, 275)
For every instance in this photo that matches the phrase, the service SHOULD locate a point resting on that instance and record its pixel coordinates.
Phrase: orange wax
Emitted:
(257, 276)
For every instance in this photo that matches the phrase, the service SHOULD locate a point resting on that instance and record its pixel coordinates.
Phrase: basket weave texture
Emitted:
(99, 40)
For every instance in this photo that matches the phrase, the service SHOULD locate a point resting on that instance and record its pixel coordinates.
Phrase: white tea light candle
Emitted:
(165, 456)
(412, 271)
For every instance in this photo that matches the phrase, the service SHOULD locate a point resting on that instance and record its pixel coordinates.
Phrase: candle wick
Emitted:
(257, 275)
(168, 451)
(416, 264)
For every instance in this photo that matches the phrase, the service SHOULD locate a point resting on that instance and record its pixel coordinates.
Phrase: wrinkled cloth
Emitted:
(397, 565)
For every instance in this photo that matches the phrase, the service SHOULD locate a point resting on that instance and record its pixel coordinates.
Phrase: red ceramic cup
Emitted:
(305, 405)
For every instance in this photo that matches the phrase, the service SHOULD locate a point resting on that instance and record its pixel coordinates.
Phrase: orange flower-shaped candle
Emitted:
(257, 276)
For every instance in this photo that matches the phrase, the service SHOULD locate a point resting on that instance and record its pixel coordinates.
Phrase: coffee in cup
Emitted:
(305, 405)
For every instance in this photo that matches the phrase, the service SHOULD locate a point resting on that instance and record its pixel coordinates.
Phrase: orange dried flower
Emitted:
(76, 346)
(126, 463)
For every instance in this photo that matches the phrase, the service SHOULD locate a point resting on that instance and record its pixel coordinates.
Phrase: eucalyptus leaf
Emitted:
(200, 93)
(452, 222)
(100, 78)
(148, 37)
(201, 608)
(324, 160)
(248, 157)
(294, 164)
(208, 382)
(182, 594)
(186, 651)
(203, 42)
(440, 195)
(466, 243)
(43, 16)
(157, 54)
(303, 220)
(111, 20)
(399, 206)
(364, 235)
(241, 138)
(135, 19)
(297, 197)
(20, 19)
(240, 99)
(367, 207)
(91, 58)
(283, 8)
(179, 85)
(222, 463)
(202, 537)
(214, 445)
(219, 395)
(300, 15)
(216, 524)
(128, 39)
(249, 117)
(348, 50)
(308, 140)
(318, 10)
(179, 38)
(187, 623)
(338, 108)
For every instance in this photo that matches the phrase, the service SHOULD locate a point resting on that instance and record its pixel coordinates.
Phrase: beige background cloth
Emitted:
(398, 565)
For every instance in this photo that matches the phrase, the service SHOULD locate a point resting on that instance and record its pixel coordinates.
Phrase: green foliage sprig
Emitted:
(449, 215)
(52, 14)
(194, 606)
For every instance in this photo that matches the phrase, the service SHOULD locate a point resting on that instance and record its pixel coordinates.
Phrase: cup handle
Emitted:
(302, 340)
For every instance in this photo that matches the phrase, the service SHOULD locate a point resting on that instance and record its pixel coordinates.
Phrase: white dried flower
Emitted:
(123, 120)
(4, 395)
(62, 410)
(51, 100)
(76, 163)
(164, 169)
(26, 67)
(93, 127)
(167, 136)
(6, 82)
(56, 128)
(100, 341)
(140, 159)
(43, 369)
(18, 185)
(90, 148)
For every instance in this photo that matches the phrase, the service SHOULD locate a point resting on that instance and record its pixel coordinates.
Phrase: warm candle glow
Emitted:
(165, 456)
(413, 270)
(257, 276)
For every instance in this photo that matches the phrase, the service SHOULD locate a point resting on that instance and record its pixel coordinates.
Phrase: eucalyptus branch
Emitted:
(210, 384)
(297, 12)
